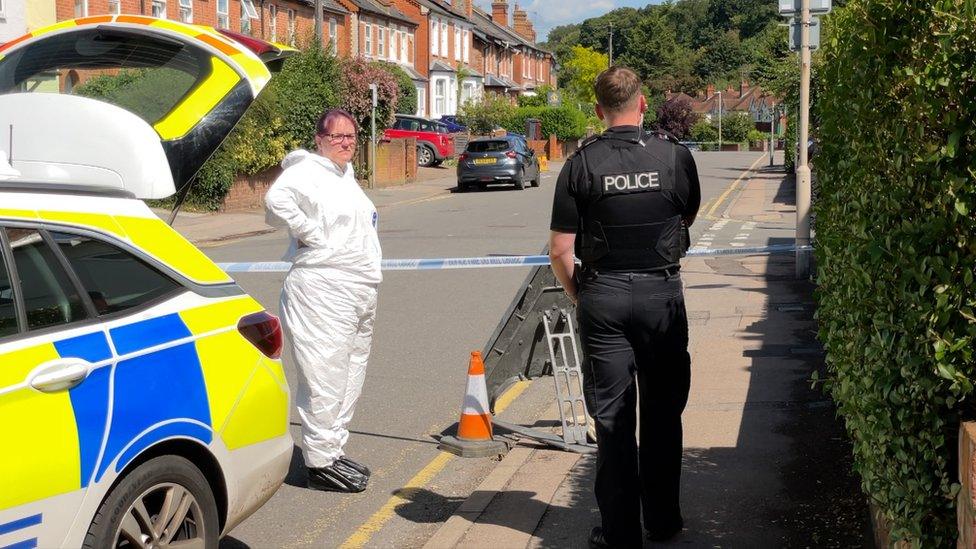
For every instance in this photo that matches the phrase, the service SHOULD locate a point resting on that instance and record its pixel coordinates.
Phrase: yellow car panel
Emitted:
(162, 242)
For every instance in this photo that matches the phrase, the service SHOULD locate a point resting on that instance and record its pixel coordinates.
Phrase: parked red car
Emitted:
(434, 144)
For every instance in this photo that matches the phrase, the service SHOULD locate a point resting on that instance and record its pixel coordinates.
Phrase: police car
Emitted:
(142, 398)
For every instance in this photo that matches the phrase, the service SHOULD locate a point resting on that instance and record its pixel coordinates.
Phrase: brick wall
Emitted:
(247, 192)
(554, 150)
(396, 162)
(539, 146)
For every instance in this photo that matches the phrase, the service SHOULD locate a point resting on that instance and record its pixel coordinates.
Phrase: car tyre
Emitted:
(166, 485)
(425, 156)
(463, 187)
(538, 178)
(520, 180)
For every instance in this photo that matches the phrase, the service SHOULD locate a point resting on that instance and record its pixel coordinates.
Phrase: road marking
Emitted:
(412, 201)
(731, 188)
(375, 523)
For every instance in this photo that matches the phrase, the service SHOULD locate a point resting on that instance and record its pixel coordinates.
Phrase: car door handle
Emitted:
(59, 374)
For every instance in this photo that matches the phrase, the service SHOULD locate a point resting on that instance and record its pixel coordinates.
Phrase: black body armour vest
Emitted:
(631, 221)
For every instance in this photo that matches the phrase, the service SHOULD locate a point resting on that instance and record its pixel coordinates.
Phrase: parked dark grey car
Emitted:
(490, 160)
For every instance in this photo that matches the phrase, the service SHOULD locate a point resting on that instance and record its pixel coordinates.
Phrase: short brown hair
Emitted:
(329, 117)
(616, 88)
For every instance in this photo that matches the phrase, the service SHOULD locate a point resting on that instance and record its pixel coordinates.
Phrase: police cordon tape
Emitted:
(493, 261)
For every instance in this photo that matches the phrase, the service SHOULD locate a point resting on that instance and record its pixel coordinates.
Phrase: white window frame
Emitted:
(465, 38)
(404, 48)
(292, 27)
(395, 44)
(381, 42)
(3, 10)
(457, 43)
(223, 17)
(440, 100)
(162, 8)
(421, 101)
(247, 6)
(367, 39)
(186, 11)
(444, 50)
(245, 21)
(434, 37)
(273, 21)
(114, 7)
(81, 8)
(334, 35)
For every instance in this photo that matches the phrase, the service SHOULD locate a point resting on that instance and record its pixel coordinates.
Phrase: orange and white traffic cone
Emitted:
(474, 435)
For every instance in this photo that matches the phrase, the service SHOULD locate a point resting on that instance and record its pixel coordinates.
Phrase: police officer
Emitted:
(622, 203)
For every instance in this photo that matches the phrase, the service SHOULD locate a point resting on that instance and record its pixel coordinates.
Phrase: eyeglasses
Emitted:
(340, 137)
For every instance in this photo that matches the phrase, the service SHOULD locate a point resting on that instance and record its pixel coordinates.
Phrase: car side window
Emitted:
(8, 303)
(50, 299)
(114, 279)
(400, 124)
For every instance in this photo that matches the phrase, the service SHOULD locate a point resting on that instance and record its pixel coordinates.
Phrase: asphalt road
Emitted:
(428, 323)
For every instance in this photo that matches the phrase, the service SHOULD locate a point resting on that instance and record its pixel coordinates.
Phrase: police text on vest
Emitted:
(631, 182)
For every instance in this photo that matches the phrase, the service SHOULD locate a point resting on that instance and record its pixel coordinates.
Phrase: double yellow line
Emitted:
(721, 199)
(375, 523)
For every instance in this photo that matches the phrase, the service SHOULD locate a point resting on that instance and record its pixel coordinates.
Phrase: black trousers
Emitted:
(635, 325)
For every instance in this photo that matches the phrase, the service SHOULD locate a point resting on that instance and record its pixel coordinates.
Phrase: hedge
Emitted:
(896, 248)
(566, 122)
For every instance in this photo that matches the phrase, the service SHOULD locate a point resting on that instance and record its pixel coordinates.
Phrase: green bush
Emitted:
(704, 132)
(735, 127)
(566, 123)
(407, 94)
(756, 137)
(485, 114)
(307, 85)
(896, 248)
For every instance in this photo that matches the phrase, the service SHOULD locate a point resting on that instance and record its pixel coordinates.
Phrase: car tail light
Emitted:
(263, 330)
(510, 154)
(463, 157)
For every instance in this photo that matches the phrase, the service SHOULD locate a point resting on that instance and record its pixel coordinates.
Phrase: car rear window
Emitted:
(488, 146)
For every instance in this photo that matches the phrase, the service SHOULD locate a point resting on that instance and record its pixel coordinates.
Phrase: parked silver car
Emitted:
(490, 160)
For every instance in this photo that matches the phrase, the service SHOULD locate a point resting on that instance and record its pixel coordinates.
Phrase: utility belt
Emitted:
(637, 248)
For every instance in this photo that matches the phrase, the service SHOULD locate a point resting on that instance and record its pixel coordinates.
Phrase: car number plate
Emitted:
(484, 160)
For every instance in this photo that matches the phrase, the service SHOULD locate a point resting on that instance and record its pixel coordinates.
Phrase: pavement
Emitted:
(766, 464)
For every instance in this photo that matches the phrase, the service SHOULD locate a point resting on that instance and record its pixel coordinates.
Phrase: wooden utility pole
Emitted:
(318, 23)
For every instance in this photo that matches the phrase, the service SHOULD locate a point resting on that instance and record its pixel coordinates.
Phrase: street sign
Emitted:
(796, 27)
(792, 7)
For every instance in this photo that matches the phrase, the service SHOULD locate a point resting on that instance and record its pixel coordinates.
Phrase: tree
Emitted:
(703, 132)
(736, 126)
(357, 75)
(676, 117)
(407, 90)
(580, 71)
(652, 47)
(485, 114)
(307, 85)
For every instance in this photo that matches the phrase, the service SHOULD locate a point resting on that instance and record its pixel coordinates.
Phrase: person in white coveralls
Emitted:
(328, 302)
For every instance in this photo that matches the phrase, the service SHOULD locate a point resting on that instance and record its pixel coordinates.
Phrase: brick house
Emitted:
(759, 104)
(452, 66)
(496, 49)
(513, 63)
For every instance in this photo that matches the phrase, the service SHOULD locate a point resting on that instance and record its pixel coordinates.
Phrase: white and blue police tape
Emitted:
(491, 261)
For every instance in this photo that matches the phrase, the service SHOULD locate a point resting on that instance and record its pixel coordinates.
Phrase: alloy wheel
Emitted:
(166, 515)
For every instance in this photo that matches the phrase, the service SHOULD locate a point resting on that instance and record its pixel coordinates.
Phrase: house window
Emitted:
(114, 6)
(421, 101)
(465, 38)
(410, 53)
(440, 96)
(273, 22)
(404, 50)
(81, 8)
(245, 20)
(468, 92)
(368, 31)
(223, 19)
(159, 9)
(457, 43)
(333, 35)
(186, 11)
(381, 42)
(444, 38)
(434, 39)
(291, 27)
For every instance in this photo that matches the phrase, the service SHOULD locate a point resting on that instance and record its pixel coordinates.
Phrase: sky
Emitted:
(546, 14)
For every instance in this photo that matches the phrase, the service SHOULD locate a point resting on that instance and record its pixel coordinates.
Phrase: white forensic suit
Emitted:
(328, 302)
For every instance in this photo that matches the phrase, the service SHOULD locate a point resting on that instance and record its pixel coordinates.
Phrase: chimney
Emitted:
(520, 23)
(499, 12)
(457, 5)
(468, 8)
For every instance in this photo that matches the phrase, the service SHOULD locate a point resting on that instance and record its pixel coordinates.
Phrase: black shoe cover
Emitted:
(597, 541)
(360, 468)
(336, 478)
